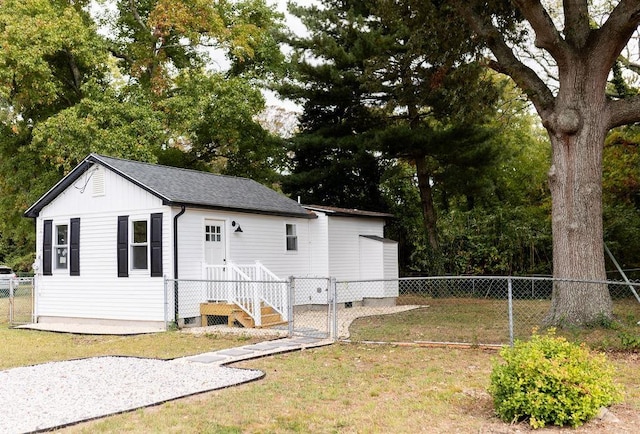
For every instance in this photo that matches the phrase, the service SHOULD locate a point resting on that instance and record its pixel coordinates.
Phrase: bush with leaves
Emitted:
(549, 380)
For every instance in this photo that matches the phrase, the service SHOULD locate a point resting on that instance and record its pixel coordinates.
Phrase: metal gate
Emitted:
(312, 307)
(21, 300)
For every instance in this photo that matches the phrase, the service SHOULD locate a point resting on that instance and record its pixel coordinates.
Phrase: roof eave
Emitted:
(34, 210)
(95, 158)
(362, 214)
(308, 216)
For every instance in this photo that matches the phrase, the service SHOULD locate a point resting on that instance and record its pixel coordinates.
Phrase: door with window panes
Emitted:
(214, 244)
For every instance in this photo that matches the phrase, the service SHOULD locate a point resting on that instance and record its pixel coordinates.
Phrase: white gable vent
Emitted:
(98, 181)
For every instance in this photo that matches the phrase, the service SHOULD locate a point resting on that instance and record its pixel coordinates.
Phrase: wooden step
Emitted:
(269, 318)
(235, 314)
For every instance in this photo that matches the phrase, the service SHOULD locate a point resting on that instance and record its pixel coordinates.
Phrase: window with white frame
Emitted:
(61, 247)
(139, 245)
(292, 238)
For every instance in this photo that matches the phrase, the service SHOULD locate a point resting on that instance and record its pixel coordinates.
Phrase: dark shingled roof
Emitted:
(190, 188)
(380, 239)
(347, 212)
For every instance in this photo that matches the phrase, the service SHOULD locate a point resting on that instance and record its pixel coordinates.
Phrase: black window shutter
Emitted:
(123, 246)
(156, 245)
(47, 248)
(74, 248)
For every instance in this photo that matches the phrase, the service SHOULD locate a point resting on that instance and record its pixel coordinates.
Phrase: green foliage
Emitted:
(154, 38)
(630, 341)
(621, 195)
(48, 49)
(103, 122)
(549, 380)
(502, 240)
(332, 158)
(139, 92)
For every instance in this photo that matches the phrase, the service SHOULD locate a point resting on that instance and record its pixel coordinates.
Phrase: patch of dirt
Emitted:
(627, 421)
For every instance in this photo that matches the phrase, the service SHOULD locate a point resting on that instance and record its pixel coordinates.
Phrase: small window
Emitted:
(61, 247)
(213, 233)
(292, 238)
(139, 245)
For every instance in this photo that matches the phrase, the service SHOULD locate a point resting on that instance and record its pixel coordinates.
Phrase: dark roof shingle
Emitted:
(347, 212)
(192, 188)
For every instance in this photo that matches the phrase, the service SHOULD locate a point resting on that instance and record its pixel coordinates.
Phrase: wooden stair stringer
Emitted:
(270, 318)
(235, 313)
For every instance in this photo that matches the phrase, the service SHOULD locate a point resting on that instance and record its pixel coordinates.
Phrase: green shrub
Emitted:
(630, 341)
(551, 381)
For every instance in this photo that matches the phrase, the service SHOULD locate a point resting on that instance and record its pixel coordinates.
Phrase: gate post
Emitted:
(510, 295)
(291, 295)
(256, 303)
(10, 301)
(333, 314)
(166, 302)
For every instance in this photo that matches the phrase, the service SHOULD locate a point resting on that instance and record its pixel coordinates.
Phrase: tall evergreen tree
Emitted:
(388, 80)
(333, 161)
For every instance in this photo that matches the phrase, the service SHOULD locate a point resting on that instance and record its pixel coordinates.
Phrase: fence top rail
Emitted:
(409, 279)
(524, 278)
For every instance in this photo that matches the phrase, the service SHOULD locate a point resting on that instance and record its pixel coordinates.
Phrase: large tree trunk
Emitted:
(577, 119)
(577, 133)
(426, 200)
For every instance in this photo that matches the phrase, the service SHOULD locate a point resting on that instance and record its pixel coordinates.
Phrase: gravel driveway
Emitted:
(55, 394)
(51, 395)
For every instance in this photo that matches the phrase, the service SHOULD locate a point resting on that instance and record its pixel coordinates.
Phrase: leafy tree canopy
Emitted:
(132, 83)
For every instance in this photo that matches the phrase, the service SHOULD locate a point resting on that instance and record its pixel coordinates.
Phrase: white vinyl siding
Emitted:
(262, 239)
(319, 246)
(379, 261)
(344, 244)
(98, 292)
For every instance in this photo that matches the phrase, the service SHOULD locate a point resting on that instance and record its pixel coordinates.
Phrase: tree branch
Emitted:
(609, 40)
(119, 55)
(576, 22)
(136, 15)
(525, 77)
(75, 71)
(631, 66)
(624, 111)
(547, 36)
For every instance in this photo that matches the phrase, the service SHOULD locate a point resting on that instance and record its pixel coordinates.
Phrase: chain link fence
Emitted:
(462, 310)
(240, 307)
(16, 299)
(473, 310)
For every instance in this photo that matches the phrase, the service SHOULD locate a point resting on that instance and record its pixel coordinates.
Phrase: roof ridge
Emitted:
(164, 166)
(180, 186)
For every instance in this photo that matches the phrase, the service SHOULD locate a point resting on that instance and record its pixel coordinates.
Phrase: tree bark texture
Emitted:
(577, 130)
(426, 200)
(577, 118)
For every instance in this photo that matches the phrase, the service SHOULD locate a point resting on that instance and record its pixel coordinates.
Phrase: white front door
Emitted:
(214, 242)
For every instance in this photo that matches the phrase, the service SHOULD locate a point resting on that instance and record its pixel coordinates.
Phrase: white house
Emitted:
(111, 231)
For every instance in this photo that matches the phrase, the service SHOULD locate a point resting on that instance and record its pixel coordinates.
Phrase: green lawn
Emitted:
(355, 388)
(484, 321)
(342, 388)
(29, 347)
